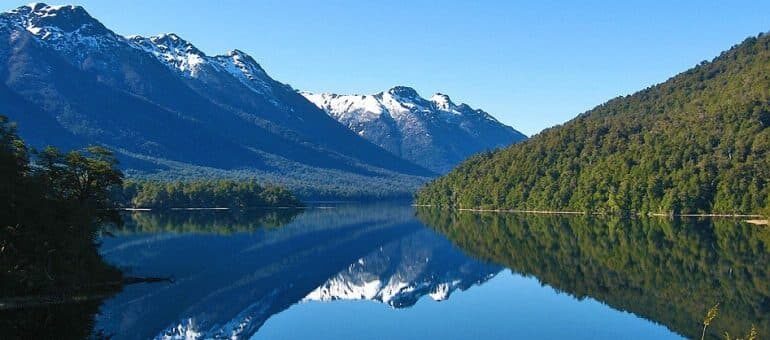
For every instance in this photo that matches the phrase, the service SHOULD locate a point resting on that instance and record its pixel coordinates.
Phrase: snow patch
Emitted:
(173, 51)
(401, 104)
(67, 29)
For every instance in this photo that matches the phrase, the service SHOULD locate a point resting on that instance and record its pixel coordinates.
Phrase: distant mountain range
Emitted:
(170, 110)
(435, 133)
(168, 107)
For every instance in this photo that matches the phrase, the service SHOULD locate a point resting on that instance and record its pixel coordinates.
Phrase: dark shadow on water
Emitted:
(71, 312)
(54, 321)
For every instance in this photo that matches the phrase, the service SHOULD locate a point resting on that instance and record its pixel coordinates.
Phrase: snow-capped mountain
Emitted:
(183, 57)
(435, 133)
(68, 29)
(166, 106)
(175, 52)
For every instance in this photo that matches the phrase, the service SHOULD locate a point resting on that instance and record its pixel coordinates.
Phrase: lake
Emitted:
(396, 272)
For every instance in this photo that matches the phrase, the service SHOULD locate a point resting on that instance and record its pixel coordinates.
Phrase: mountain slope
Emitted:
(167, 106)
(696, 143)
(435, 133)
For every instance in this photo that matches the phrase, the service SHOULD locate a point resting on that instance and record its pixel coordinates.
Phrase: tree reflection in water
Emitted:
(668, 271)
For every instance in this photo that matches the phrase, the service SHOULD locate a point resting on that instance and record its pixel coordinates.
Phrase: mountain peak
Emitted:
(39, 16)
(68, 29)
(404, 92)
(173, 51)
(169, 37)
(244, 59)
(435, 133)
(246, 69)
(34, 6)
(43, 7)
(171, 41)
(442, 102)
(238, 53)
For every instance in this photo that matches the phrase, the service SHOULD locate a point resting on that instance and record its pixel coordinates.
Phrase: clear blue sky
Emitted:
(532, 64)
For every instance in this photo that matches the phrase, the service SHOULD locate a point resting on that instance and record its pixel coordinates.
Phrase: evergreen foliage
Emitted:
(52, 210)
(222, 193)
(697, 143)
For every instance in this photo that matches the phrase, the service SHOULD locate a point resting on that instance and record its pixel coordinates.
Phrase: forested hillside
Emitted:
(696, 143)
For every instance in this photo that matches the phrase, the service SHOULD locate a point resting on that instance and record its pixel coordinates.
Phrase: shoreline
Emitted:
(541, 212)
(206, 208)
(751, 218)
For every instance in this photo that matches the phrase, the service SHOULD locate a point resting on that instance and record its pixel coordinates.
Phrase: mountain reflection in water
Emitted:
(233, 271)
(229, 284)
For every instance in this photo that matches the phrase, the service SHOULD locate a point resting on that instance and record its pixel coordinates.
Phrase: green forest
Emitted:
(220, 193)
(54, 206)
(667, 271)
(697, 143)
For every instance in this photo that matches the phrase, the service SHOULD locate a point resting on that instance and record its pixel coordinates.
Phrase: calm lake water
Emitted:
(394, 272)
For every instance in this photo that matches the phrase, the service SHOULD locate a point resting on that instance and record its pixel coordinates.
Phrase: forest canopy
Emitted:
(221, 193)
(697, 143)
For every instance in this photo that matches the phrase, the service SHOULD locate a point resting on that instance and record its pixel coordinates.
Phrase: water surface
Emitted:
(390, 271)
